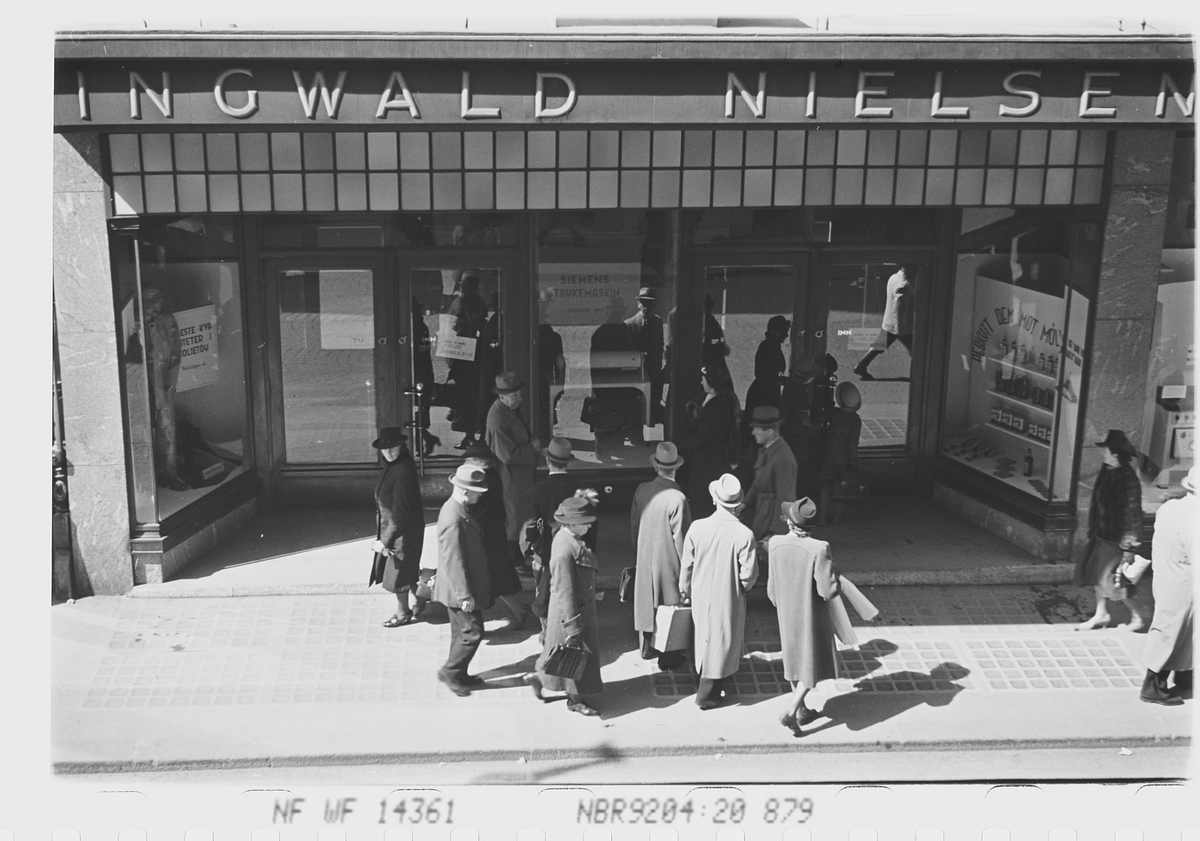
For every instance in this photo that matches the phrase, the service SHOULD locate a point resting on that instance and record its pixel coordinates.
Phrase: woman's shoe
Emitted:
(535, 683)
(431, 441)
(1095, 623)
(419, 607)
(397, 620)
(807, 715)
(789, 721)
(581, 708)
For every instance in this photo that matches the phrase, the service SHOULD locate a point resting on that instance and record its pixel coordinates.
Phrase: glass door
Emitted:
(332, 387)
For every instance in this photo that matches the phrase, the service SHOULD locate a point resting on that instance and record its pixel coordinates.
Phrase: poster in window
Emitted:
(347, 309)
(198, 363)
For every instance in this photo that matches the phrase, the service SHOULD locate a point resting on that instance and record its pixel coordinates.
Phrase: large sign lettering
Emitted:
(92, 94)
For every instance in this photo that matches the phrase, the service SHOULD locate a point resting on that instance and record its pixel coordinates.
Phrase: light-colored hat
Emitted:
(726, 491)
(558, 450)
(801, 512)
(666, 454)
(507, 382)
(575, 510)
(1189, 481)
(847, 397)
(767, 417)
(469, 478)
(805, 367)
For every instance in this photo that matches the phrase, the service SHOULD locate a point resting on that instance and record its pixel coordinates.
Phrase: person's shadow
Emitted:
(877, 698)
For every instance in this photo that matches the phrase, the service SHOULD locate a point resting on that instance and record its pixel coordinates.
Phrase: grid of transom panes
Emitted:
(195, 172)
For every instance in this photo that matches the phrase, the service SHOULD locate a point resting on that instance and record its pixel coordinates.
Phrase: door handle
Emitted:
(382, 340)
(819, 334)
(402, 340)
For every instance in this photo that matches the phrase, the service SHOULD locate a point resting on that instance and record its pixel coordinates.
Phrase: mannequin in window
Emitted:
(163, 352)
(468, 313)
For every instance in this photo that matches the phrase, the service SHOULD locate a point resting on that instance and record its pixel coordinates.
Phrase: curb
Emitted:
(602, 752)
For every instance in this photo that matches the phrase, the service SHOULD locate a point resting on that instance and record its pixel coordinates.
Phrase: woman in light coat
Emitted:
(571, 615)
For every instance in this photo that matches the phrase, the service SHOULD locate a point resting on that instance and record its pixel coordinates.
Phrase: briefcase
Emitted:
(625, 587)
(566, 661)
(672, 627)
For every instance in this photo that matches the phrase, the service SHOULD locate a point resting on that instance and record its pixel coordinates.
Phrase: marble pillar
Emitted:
(91, 392)
(1125, 301)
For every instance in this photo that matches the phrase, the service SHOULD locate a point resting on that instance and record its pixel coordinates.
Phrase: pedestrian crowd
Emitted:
(701, 546)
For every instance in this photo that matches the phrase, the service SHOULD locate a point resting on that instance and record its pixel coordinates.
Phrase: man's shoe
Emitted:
(459, 689)
(1165, 700)
(1154, 690)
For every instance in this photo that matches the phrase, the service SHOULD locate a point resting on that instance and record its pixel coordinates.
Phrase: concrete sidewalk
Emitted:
(144, 683)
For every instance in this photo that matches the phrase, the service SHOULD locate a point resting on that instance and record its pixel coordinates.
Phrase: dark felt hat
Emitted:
(778, 324)
(558, 450)
(389, 436)
(666, 454)
(847, 397)
(766, 416)
(507, 382)
(1118, 442)
(801, 512)
(646, 294)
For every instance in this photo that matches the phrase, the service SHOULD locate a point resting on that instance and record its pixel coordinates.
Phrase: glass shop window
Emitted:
(606, 289)
(179, 304)
(1022, 298)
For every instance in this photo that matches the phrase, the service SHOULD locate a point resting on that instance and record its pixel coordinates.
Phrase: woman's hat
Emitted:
(666, 454)
(1118, 442)
(801, 512)
(805, 367)
(726, 491)
(469, 478)
(574, 511)
(480, 450)
(389, 436)
(846, 397)
(1189, 481)
(767, 417)
(778, 324)
(558, 450)
(507, 382)
(647, 294)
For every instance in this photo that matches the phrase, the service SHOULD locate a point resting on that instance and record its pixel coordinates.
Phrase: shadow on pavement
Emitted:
(867, 706)
(605, 754)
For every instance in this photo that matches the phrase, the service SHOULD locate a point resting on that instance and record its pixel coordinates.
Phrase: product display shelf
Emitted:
(1035, 442)
(1017, 366)
(1024, 404)
(971, 450)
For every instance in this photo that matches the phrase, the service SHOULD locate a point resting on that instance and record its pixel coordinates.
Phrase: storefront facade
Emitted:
(263, 244)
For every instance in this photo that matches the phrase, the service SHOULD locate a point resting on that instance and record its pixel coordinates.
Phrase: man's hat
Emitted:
(647, 294)
(666, 454)
(726, 491)
(767, 417)
(470, 274)
(480, 450)
(558, 451)
(574, 511)
(1189, 481)
(389, 436)
(507, 382)
(469, 478)
(778, 324)
(846, 397)
(1118, 442)
(805, 367)
(801, 512)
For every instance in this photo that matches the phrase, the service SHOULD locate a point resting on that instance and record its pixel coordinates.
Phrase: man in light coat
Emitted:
(1169, 640)
(774, 475)
(463, 584)
(718, 568)
(658, 521)
(517, 451)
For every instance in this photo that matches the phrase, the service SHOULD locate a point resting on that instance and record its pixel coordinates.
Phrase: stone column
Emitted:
(1125, 300)
(87, 339)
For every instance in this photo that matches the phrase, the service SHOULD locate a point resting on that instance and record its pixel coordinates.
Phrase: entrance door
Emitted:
(872, 327)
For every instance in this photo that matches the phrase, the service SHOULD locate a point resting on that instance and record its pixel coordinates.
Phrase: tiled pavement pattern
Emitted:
(883, 432)
(326, 650)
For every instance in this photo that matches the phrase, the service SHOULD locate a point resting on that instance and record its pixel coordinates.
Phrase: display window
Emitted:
(179, 313)
(1022, 300)
(606, 285)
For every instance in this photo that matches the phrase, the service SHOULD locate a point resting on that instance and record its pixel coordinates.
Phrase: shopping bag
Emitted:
(625, 588)
(566, 661)
(672, 627)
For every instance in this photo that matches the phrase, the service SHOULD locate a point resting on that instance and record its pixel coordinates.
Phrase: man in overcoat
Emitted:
(462, 583)
(646, 328)
(658, 521)
(774, 475)
(1170, 638)
(517, 451)
(718, 568)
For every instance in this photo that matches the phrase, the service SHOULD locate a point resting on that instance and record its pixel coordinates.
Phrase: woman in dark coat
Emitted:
(571, 616)
(709, 447)
(1114, 530)
(400, 529)
(489, 512)
(769, 368)
(841, 446)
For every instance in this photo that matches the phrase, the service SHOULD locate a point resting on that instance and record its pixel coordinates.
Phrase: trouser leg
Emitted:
(1183, 679)
(709, 690)
(648, 649)
(466, 632)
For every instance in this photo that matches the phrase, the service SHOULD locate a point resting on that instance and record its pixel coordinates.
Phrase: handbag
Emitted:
(566, 661)
(378, 564)
(625, 588)
(849, 487)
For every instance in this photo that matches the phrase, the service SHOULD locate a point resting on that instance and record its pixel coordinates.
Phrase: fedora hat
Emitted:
(766, 417)
(1118, 442)
(846, 397)
(479, 450)
(647, 294)
(666, 454)
(1189, 481)
(574, 511)
(805, 367)
(726, 491)
(558, 450)
(801, 512)
(507, 382)
(469, 478)
(389, 436)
